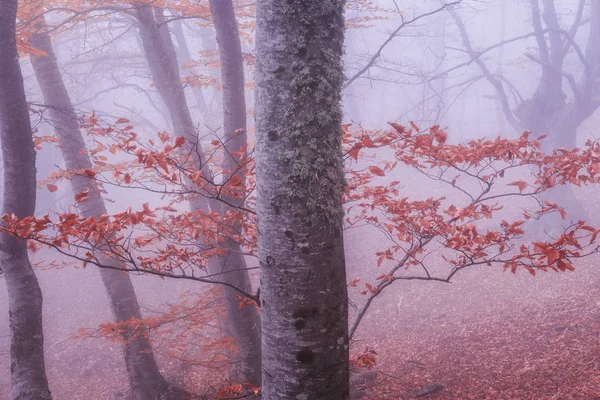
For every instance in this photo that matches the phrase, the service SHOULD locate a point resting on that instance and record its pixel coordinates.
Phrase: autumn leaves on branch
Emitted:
(163, 240)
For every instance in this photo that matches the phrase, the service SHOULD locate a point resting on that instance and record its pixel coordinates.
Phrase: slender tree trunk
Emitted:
(45, 162)
(500, 119)
(244, 322)
(28, 373)
(208, 41)
(145, 379)
(184, 56)
(300, 181)
(434, 94)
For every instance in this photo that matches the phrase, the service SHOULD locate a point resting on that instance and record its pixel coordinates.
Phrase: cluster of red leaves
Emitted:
(194, 319)
(457, 231)
(164, 240)
(167, 240)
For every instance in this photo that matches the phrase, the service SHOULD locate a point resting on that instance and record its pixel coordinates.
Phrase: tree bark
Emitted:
(184, 56)
(244, 322)
(145, 379)
(300, 182)
(28, 373)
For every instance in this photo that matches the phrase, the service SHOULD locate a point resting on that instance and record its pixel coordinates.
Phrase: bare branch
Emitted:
(539, 31)
(556, 47)
(391, 37)
(573, 31)
(496, 83)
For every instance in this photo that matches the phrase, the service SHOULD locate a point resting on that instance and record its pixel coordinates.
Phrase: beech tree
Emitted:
(160, 54)
(565, 96)
(145, 378)
(309, 178)
(28, 373)
(246, 322)
(300, 184)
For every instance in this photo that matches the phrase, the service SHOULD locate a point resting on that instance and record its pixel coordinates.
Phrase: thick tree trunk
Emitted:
(145, 379)
(28, 373)
(300, 181)
(244, 322)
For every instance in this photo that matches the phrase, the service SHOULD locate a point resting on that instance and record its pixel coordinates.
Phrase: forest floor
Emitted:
(516, 338)
(488, 335)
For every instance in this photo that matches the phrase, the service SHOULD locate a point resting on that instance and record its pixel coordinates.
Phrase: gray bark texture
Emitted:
(145, 379)
(245, 322)
(300, 182)
(230, 268)
(28, 373)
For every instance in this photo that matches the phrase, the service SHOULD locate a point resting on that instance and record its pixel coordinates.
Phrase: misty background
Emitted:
(422, 73)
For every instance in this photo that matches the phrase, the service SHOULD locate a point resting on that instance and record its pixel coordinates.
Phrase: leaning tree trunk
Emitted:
(158, 49)
(28, 373)
(145, 379)
(184, 56)
(300, 182)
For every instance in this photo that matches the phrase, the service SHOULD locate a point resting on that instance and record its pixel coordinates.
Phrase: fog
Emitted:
(478, 69)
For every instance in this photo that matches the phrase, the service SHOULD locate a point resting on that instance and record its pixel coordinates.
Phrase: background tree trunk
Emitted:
(145, 379)
(300, 181)
(28, 373)
(244, 321)
(184, 56)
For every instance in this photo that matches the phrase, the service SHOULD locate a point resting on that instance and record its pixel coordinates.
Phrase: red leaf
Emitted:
(399, 128)
(121, 121)
(354, 282)
(371, 288)
(562, 213)
(82, 196)
(235, 181)
(51, 187)
(553, 255)
(376, 170)
(441, 136)
(593, 239)
(564, 265)
(521, 184)
(354, 153)
(179, 141)
(367, 142)
(540, 247)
